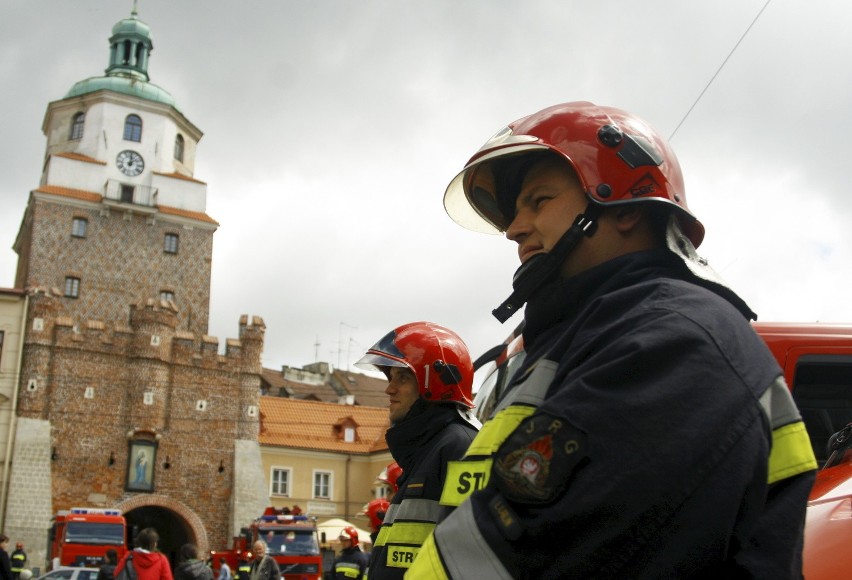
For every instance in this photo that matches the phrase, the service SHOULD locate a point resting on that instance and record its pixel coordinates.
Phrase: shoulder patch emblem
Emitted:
(534, 465)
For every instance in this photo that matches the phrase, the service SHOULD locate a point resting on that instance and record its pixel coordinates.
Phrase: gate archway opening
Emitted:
(174, 531)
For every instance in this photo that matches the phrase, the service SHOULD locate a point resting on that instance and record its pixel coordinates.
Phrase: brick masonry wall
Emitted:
(119, 262)
(101, 385)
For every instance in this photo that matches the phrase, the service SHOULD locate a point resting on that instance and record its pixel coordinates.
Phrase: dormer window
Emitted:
(133, 128)
(77, 126)
(346, 430)
(179, 148)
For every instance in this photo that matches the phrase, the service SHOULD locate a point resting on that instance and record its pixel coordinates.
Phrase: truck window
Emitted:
(291, 542)
(823, 391)
(94, 533)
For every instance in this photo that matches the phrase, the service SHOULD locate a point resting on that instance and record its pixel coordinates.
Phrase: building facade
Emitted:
(13, 311)
(323, 457)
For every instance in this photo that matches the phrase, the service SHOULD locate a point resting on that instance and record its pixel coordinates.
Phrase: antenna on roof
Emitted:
(340, 342)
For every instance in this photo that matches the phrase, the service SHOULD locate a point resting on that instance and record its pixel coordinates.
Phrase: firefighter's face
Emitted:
(550, 197)
(402, 391)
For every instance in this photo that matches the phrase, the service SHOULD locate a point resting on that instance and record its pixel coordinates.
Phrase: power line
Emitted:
(724, 62)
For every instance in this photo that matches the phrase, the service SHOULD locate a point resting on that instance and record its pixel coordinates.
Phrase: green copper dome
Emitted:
(127, 73)
(131, 26)
(125, 85)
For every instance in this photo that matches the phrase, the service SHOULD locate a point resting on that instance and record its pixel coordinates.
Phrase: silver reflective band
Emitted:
(463, 549)
(420, 510)
(534, 388)
(778, 404)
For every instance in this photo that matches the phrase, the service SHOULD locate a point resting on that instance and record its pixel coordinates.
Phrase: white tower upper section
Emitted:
(123, 137)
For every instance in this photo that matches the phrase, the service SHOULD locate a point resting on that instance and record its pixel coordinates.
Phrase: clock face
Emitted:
(130, 163)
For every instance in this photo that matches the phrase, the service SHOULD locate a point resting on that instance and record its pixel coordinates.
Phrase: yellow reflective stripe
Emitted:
(791, 453)
(495, 431)
(464, 478)
(427, 566)
(348, 570)
(383, 534)
(409, 533)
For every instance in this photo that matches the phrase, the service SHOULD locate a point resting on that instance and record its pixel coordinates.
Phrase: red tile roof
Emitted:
(196, 215)
(317, 425)
(68, 192)
(96, 197)
(177, 175)
(78, 157)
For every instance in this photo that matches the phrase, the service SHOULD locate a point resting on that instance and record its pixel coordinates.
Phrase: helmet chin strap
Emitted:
(541, 268)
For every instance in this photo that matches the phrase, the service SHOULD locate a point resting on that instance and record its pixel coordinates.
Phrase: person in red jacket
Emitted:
(148, 563)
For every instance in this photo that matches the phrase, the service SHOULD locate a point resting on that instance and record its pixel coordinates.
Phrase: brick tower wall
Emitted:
(99, 386)
(121, 260)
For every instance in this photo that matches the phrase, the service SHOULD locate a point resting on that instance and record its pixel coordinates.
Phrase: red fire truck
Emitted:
(81, 536)
(291, 539)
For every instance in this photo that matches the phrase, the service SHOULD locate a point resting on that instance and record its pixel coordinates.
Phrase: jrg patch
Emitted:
(535, 463)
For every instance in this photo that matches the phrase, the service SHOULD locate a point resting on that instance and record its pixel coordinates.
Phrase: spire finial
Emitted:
(135, 12)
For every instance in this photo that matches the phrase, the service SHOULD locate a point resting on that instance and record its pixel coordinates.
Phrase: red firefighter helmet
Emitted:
(349, 533)
(618, 157)
(390, 474)
(375, 512)
(436, 355)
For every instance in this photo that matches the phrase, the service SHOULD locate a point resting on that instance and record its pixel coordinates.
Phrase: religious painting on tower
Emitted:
(140, 465)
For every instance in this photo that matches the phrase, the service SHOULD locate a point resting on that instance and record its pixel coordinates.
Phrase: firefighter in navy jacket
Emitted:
(352, 562)
(649, 432)
(430, 376)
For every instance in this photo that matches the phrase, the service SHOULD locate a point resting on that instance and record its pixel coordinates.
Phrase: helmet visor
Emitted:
(374, 361)
(482, 197)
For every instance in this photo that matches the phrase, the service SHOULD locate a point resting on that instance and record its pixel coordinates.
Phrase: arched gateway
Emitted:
(175, 523)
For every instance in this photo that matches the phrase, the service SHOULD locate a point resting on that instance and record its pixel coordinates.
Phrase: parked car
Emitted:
(70, 573)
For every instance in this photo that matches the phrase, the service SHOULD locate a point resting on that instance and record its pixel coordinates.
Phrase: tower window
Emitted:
(77, 126)
(72, 287)
(167, 295)
(126, 194)
(179, 148)
(79, 227)
(170, 244)
(133, 128)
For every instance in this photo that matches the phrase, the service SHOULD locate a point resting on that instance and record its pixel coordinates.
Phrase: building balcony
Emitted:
(141, 197)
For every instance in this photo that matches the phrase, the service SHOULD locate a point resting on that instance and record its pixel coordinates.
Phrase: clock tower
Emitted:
(118, 216)
(124, 401)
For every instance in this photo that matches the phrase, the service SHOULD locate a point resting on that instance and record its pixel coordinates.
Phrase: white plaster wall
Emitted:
(250, 496)
(28, 509)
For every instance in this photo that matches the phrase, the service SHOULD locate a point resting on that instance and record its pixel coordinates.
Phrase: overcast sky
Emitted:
(332, 128)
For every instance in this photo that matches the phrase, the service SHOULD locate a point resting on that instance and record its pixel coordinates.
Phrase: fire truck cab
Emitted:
(291, 539)
(81, 536)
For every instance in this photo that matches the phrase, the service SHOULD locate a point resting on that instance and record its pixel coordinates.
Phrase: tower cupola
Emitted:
(130, 48)
(129, 54)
